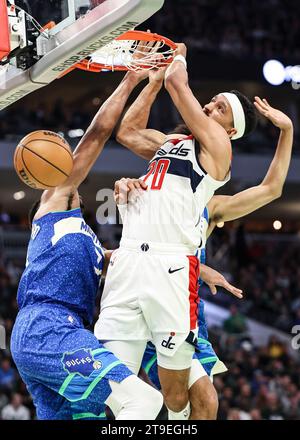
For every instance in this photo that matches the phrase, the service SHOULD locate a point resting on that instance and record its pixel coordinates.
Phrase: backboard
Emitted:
(62, 12)
(41, 53)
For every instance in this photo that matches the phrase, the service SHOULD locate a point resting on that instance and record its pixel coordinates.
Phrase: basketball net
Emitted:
(134, 50)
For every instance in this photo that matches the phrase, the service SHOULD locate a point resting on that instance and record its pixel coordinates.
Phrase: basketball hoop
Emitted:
(134, 50)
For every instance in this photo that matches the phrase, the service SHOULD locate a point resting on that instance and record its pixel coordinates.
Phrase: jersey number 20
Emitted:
(157, 169)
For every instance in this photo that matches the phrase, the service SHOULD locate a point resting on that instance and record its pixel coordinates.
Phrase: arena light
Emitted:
(96, 102)
(277, 225)
(19, 195)
(220, 225)
(77, 133)
(274, 72)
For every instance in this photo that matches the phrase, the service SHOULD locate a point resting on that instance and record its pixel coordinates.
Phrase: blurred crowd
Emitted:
(261, 384)
(267, 271)
(59, 118)
(268, 29)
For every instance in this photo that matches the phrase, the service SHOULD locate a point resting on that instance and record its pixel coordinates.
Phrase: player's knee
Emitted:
(176, 400)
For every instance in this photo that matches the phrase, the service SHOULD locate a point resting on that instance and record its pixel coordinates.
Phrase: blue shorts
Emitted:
(204, 352)
(65, 368)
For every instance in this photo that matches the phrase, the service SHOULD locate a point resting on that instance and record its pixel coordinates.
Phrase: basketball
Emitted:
(43, 160)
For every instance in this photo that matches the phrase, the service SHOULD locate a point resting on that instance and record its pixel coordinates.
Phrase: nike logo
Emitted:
(175, 270)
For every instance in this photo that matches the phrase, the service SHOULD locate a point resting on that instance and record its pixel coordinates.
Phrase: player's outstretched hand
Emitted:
(143, 49)
(278, 118)
(158, 75)
(213, 279)
(128, 190)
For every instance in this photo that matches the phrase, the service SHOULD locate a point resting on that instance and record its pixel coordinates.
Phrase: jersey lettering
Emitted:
(176, 151)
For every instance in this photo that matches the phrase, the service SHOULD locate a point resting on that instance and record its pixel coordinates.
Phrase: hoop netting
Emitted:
(134, 55)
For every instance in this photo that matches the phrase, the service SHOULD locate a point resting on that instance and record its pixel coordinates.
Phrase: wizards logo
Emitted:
(80, 362)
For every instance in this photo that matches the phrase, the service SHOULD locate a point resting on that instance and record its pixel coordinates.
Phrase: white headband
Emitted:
(239, 120)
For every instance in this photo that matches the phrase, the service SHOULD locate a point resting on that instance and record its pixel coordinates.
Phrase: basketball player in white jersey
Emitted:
(144, 142)
(151, 290)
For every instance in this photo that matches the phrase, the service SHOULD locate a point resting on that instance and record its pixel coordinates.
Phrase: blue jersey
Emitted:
(64, 264)
(201, 254)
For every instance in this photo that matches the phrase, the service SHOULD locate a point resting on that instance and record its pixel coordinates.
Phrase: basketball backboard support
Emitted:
(81, 27)
(4, 34)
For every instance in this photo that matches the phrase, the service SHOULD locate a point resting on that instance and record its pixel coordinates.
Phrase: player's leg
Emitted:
(204, 400)
(133, 399)
(169, 305)
(76, 369)
(130, 352)
(174, 375)
(121, 326)
(113, 384)
(202, 393)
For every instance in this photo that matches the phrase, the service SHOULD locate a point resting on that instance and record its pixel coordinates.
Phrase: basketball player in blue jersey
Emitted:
(68, 373)
(220, 208)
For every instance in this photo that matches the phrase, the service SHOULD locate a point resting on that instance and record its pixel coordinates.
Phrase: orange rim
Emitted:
(91, 66)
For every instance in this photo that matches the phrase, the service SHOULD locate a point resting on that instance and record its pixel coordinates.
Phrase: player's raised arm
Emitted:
(99, 131)
(226, 208)
(133, 132)
(87, 151)
(214, 139)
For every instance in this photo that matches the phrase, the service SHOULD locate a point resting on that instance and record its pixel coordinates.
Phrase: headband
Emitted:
(239, 120)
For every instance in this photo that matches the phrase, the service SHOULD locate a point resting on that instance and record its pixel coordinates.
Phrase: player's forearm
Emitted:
(215, 143)
(104, 122)
(137, 116)
(279, 167)
(99, 131)
(110, 112)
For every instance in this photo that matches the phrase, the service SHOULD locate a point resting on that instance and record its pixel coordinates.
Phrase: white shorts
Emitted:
(150, 294)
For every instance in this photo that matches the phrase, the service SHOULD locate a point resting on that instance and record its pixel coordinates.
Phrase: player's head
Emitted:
(35, 207)
(181, 128)
(234, 111)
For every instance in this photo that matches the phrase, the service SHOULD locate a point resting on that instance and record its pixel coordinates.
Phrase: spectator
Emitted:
(15, 410)
(276, 348)
(273, 409)
(255, 414)
(236, 323)
(7, 375)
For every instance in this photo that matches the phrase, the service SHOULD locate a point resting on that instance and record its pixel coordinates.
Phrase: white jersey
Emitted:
(169, 212)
